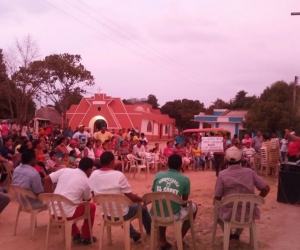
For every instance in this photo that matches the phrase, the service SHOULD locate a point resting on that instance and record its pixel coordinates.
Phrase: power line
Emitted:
(124, 46)
(169, 58)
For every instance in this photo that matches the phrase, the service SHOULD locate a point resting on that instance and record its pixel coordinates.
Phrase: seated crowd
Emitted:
(94, 163)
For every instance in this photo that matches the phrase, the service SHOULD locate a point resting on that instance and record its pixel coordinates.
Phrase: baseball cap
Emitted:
(73, 142)
(4, 121)
(233, 154)
(81, 125)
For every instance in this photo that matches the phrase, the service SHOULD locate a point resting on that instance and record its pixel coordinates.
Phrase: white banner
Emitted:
(212, 144)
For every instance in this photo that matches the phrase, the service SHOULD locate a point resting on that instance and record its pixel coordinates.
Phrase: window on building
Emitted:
(149, 127)
(166, 129)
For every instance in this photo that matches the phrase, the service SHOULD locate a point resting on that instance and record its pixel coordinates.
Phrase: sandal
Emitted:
(166, 246)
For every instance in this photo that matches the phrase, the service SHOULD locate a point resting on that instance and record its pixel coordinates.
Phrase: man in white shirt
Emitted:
(283, 147)
(143, 138)
(82, 136)
(138, 148)
(73, 184)
(106, 180)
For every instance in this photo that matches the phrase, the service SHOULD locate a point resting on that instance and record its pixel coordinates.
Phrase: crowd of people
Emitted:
(79, 153)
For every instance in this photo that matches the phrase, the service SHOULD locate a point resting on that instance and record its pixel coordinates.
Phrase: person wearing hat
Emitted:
(237, 180)
(73, 146)
(82, 136)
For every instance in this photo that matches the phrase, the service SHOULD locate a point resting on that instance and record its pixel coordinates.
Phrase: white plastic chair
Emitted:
(135, 166)
(242, 221)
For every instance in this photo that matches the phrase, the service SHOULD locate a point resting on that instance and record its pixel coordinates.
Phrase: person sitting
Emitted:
(98, 150)
(61, 148)
(123, 152)
(72, 159)
(143, 138)
(144, 143)
(73, 146)
(248, 154)
(196, 152)
(237, 180)
(138, 148)
(25, 176)
(89, 150)
(53, 163)
(169, 149)
(185, 160)
(65, 160)
(6, 150)
(173, 181)
(108, 181)
(4, 199)
(75, 189)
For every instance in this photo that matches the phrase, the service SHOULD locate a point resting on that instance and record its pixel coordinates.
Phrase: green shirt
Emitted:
(174, 182)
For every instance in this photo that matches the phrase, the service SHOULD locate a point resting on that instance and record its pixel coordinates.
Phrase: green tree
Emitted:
(241, 101)
(217, 104)
(183, 112)
(75, 98)
(273, 112)
(151, 99)
(66, 77)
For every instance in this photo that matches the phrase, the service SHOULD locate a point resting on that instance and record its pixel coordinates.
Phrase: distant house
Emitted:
(48, 114)
(231, 120)
(102, 110)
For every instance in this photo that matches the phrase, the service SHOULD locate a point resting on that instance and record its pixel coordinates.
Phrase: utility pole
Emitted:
(295, 14)
(294, 98)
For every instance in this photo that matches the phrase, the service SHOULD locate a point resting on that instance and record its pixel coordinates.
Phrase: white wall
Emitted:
(144, 127)
(156, 132)
(228, 126)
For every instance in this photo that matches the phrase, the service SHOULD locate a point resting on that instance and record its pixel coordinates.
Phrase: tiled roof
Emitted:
(235, 113)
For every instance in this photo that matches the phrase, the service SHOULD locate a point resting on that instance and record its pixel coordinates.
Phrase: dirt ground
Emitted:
(278, 228)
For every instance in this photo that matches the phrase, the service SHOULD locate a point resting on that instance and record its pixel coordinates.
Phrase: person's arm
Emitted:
(36, 184)
(219, 189)
(292, 137)
(48, 184)
(126, 190)
(85, 152)
(186, 192)
(261, 185)
(264, 192)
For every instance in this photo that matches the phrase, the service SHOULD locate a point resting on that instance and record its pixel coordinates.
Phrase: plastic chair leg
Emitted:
(193, 233)
(108, 229)
(254, 242)
(68, 232)
(177, 230)
(101, 235)
(17, 219)
(226, 235)
(32, 223)
(152, 236)
(139, 172)
(214, 230)
(126, 226)
(48, 232)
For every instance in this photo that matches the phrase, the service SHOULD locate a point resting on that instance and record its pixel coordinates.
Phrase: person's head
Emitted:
(4, 122)
(195, 145)
(174, 162)
(24, 146)
(53, 156)
(170, 144)
(65, 156)
(235, 136)
(219, 134)
(258, 133)
(73, 143)
(105, 145)
(188, 145)
(247, 136)
(38, 144)
(28, 157)
(177, 145)
(90, 144)
(86, 165)
(124, 143)
(103, 129)
(7, 141)
(225, 137)
(180, 133)
(157, 145)
(274, 135)
(266, 137)
(61, 141)
(81, 128)
(142, 135)
(72, 153)
(248, 145)
(233, 155)
(139, 143)
(107, 160)
(98, 143)
(121, 132)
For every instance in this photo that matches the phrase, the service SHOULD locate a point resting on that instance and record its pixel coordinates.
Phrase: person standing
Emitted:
(82, 136)
(219, 156)
(283, 148)
(179, 138)
(103, 134)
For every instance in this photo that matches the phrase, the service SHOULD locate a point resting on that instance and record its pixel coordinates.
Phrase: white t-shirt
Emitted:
(82, 138)
(284, 145)
(24, 131)
(110, 181)
(248, 152)
(73, 184)
(143, 139)
(137, 150)
(76, 149)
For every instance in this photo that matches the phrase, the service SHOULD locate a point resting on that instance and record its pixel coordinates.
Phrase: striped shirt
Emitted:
(248, 152)
(237, 180)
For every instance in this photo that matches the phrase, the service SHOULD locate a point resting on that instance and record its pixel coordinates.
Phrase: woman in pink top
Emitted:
(169, 150)
(247, 139)
(5, 128)
(98, 150)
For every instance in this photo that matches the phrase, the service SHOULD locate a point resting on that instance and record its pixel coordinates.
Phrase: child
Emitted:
(53, 163)
(72, 158)
(65, 161)
(196, 152)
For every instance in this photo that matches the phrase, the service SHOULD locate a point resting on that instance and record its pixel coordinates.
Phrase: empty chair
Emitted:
(29, 203)
(111, 204)
(57, 216)
(245, 219)
(136, 164)
(160, 200)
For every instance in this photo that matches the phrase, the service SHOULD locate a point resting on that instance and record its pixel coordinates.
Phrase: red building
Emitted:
(110, 111)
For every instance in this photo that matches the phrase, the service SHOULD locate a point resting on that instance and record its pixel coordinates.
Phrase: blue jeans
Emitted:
(146, 219)
(199, 160)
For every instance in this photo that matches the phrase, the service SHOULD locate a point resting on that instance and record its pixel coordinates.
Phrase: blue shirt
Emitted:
(179, 139)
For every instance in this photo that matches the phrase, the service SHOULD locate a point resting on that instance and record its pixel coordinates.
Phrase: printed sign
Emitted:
(212, 144)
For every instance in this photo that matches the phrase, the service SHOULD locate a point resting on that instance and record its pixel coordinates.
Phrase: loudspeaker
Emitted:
(288, 187)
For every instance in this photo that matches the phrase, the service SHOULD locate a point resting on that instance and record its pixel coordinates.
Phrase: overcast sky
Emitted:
(201, 50)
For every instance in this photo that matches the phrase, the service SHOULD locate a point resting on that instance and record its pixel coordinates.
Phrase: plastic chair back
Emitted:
(23, 196)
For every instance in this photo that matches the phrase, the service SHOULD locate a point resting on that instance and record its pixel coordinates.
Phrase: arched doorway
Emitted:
(99, 124)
